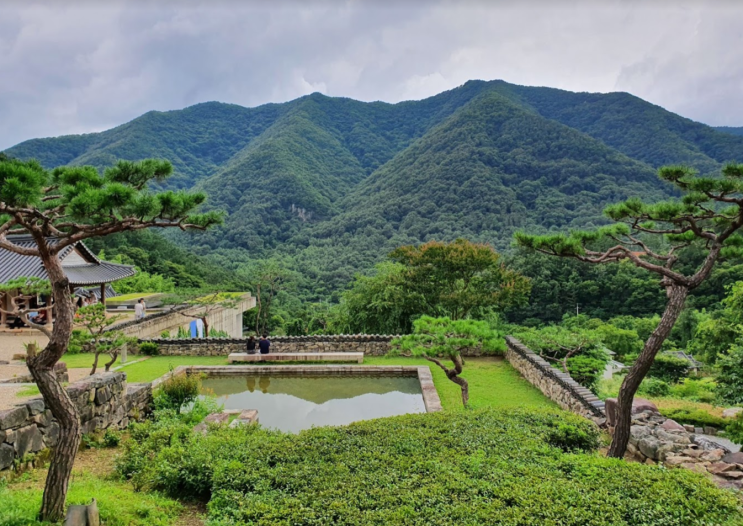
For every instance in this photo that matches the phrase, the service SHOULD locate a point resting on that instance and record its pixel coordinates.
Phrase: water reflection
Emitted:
(292, 403)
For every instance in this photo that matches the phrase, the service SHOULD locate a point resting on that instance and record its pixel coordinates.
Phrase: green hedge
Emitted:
(475, 467)
(694, 417)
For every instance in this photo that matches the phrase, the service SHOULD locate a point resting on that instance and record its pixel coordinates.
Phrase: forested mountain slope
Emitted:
(731, 130)
(332, 184)
(641, 130)
(490, 169)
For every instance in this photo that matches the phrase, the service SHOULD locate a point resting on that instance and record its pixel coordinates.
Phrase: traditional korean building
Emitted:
(81, 266)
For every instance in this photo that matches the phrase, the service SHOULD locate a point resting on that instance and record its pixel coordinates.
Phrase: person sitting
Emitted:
(251, 345)
(264, 343)
(17, 323)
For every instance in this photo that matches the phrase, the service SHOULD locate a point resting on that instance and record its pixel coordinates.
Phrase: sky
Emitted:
(71, 67)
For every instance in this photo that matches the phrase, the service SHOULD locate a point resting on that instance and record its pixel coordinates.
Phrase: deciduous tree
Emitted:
(58, 209)
(708, 216)
(460, 278)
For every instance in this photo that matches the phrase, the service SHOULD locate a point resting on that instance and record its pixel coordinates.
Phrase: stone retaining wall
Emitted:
(369, 344)
(554, 384)
(104, 401)
(222, 319)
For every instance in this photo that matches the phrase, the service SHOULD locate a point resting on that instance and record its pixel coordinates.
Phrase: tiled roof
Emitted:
(14, 265)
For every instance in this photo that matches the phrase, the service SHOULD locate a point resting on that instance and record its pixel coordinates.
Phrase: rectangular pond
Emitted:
(292, 402)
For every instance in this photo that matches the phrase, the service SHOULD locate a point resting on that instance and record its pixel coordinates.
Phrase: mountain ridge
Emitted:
(331, 184)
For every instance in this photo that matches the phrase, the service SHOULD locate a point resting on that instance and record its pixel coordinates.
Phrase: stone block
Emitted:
(731, 474)
(714, 455)
(28, 440)
(13, 417)
(732, 412)
(43, 419)
(719, 467)
(710, 430)
(698, 468)
(214, 418)
(77, 515)
(672, 425)
(35, 406)
(674, 461)
(733, 458)
(102, 395)
(639, 405)
(7, 454)
(51, 434)
(649, 446)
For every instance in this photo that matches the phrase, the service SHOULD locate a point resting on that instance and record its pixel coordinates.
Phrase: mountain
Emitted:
(333, 184)
(730, 130)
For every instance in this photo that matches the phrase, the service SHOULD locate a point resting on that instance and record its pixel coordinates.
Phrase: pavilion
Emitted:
(82, 267)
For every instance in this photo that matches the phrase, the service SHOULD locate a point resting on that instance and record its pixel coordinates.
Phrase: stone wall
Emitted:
(369, 344)
(104, 401)
(554, 384)
(228, 320)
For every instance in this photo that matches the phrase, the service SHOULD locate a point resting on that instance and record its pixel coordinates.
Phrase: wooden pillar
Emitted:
(103, 293)
(3, 316)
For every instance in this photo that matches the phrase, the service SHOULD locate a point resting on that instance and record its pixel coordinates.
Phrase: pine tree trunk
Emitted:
(638, 371)
(55, 396)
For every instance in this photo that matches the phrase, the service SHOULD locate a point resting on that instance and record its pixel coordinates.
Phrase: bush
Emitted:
(165, 334)
(572, 438)
(734, 430)
(149, 348)
(696, 390)
(474, 467)
(730, 377)
(669, 368)
(654, 387)
(586, 370)
(178, 390)
(111, 438)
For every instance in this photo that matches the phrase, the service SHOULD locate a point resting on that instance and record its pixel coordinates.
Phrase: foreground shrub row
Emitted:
(511, 467)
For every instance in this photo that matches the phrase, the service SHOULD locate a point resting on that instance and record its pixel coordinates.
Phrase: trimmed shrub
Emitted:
(654, 387)
(586, 370)
(474, 467)
(569, 438)
(696, 390)
(149, 348)
(669, 368)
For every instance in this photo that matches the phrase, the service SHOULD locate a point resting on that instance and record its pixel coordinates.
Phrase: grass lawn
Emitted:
(93, 475)
(493, 382)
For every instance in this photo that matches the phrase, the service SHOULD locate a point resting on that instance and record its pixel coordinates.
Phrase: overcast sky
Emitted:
(75, 67)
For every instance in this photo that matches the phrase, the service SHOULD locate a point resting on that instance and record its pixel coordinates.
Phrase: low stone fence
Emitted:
(554, 384)
(104, 401)
(60, 369)
(369, 344)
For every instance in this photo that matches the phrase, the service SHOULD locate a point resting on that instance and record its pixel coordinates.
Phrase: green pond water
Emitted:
(292, 403)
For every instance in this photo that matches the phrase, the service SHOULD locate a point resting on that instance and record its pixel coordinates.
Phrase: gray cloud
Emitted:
(90, 66)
